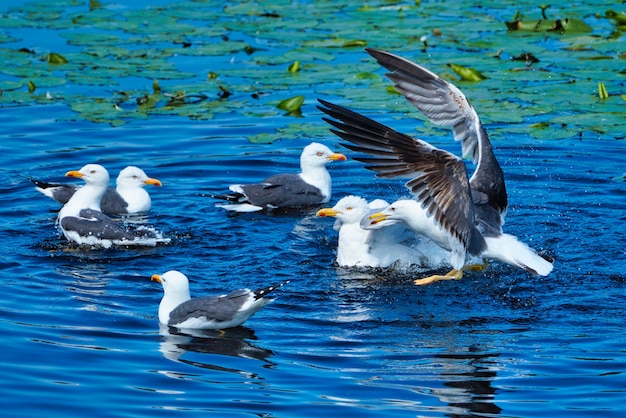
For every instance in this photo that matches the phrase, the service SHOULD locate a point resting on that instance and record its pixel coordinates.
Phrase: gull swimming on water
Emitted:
(82, 221)
(312, 186)
(461, 214)
(178, 309)
(129, 196)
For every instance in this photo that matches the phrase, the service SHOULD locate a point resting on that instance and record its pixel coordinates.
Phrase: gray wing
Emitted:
(221, 308)
(59, 192)
(113, 204)
(94, 223)
(440, 101)
(283, 190)
(445, 105)
(438, 178)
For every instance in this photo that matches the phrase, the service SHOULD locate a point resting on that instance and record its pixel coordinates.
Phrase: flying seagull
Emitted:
(178, 309)
(312, 186)
(129, 197)
(462, 215)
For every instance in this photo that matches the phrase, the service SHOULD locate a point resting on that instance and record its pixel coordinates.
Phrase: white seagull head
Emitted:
(133, 177)
(318, 155)
(349, 209)
(175, 284)
(400, 211)
(91, 174)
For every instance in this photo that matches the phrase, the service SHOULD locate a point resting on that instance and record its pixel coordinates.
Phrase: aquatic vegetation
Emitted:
(102, 61)
(467, 73)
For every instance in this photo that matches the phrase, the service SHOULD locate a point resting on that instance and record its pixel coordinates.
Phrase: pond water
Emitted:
(80, 326)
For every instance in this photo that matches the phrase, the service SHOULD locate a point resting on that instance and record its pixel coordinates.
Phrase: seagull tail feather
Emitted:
(509, 249)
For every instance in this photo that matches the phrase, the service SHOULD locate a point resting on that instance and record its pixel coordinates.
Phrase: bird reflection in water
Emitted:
(230, 342)
(469, 388)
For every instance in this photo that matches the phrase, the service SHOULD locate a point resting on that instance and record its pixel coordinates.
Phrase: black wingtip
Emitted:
(259, 293)
(374, 52)
(231, 197)
(38, 183)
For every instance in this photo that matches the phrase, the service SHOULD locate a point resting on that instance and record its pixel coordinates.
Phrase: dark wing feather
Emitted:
(438, 178)
(283, 190)
(440, 101)
(259, 293)
(113, 204)
(445, 105)
(94, 223)
(488, 179)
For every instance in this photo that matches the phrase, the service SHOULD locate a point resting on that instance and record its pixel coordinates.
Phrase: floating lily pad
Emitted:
(181, 43)
(292, 104)
(467, 73)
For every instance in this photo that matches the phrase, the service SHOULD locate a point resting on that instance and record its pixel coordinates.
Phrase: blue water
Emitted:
(80, 331)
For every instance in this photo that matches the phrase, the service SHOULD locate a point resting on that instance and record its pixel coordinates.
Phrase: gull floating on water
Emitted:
(359, 247)
(462, 215)
(312, 186)
(178, 309)
(82, 221)
(129, 196)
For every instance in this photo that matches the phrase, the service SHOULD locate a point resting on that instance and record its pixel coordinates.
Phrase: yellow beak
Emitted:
(153, 182)
(327, 212)
(337, 157)
(156, 278)
(377, 217)
(74, 173)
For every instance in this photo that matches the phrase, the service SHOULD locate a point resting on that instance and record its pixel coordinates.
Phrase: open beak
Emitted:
(156, 278)
(153, 182)
(327, 212)
(337, 157)
(377, 217)
(74, 173)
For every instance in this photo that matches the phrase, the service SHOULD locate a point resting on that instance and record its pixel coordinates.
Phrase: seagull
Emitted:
(358, 247)
(129, 197)
(82, 222)
(462, 215)
(178, 309)
(312, 186)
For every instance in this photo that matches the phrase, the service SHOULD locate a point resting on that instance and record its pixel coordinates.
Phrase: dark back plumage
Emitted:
(283, 190)
(97, 224)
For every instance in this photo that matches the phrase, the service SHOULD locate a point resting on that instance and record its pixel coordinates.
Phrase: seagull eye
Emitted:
(320, 153)
(93, 171)
(135, 177)
(349, 208)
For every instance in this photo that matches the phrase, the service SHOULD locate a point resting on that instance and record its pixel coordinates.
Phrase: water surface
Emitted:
(80, 329)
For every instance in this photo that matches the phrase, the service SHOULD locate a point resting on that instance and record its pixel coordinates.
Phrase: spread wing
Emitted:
(445, 105)
(438, 179)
